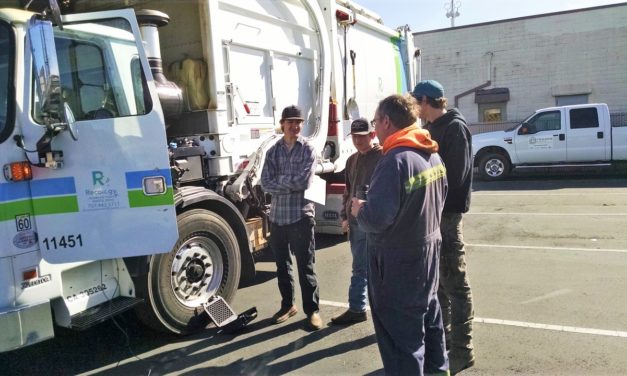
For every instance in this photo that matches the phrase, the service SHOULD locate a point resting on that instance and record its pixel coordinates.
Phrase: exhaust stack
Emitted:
(170, 95)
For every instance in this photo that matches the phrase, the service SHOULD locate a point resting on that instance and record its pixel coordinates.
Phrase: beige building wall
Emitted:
(538, 58)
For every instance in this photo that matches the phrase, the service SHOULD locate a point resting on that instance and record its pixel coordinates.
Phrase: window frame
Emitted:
(578, 124)
(9, 125)
(147, 106)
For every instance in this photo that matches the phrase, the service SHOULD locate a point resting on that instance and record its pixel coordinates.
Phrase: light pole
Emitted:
(452, 10)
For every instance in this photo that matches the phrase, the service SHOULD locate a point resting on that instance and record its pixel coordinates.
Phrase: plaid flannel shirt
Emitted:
(286, 174)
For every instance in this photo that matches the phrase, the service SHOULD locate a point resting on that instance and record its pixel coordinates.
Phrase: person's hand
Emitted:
(345, 225)
(356, 205)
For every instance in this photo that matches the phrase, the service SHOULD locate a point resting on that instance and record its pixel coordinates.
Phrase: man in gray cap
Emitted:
(287, 172)
(448, 128)
(357, 173)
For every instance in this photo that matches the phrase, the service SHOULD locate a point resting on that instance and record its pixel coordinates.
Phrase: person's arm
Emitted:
(303, 178)
(457, 161)
(347, 189)
(384, 198)
(269, 175)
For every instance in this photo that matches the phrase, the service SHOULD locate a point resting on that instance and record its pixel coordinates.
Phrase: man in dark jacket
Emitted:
(448, 128)
(402, 219)
(359, 168)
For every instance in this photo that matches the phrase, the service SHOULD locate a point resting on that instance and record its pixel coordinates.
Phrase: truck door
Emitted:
(541, 139)
(107, 189)
(587, 139)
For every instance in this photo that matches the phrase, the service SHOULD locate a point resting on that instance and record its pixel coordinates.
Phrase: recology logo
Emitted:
(101, 195)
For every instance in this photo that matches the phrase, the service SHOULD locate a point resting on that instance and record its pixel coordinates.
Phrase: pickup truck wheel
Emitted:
(204, 262)
(494, 166)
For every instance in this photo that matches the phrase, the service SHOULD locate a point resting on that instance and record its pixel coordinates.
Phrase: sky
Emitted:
(423, 15)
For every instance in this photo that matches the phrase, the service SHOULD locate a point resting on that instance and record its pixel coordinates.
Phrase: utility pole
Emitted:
(452, 10)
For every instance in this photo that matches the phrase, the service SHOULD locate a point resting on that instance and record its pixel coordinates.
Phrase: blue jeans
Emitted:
(358, 289)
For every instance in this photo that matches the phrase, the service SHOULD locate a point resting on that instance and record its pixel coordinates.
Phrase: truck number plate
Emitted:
(63, 242)
(86, 293)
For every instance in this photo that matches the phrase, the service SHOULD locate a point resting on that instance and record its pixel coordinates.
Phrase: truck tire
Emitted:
(494, 166)
(204, 262)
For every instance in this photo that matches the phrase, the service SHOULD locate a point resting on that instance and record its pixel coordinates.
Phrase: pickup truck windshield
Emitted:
(101, 75)
(6, 78)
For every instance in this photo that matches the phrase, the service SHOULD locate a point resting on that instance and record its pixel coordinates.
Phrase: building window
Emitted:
(566, 100)
(492, 104)
(492, 112)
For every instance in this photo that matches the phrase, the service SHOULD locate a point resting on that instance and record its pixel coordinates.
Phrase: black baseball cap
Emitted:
(361, 126)
(292, 112)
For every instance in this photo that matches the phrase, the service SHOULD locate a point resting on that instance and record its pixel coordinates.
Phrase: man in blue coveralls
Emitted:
(402, 218)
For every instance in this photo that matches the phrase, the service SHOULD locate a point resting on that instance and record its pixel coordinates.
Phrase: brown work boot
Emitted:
(349, 317)
(314, 322)
(460, 360)
(284, 314)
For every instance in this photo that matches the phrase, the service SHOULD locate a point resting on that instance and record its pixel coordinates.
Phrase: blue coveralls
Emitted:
(402, 218)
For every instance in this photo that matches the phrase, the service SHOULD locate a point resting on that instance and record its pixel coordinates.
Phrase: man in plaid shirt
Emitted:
(287, 172)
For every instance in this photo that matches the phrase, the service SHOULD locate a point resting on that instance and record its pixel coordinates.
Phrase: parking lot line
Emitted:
(542, 248)
(337, 304)
(535, 214)
(543, 194)
(520, 324)
(558, 328)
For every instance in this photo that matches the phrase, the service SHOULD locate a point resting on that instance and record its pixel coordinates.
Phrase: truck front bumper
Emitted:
(25, 325)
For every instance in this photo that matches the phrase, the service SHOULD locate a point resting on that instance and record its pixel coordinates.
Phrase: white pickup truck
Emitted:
(577, 135)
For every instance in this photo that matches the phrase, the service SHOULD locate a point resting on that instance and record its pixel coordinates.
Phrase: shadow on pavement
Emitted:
(261, 276)
(213, 346)
(537, 180)
(326, 241)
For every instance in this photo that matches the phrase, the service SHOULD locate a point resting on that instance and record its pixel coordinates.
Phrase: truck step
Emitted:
(101, 312)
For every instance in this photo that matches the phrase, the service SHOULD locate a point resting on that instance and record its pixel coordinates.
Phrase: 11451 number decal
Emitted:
(63, 242)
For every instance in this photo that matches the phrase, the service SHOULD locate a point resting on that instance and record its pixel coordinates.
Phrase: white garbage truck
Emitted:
(122, 188)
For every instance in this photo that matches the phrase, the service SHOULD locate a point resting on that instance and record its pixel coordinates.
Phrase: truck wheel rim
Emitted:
(494, 167)
(197, 271)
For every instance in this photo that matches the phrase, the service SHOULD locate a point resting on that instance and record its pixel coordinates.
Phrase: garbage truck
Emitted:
(133, 135)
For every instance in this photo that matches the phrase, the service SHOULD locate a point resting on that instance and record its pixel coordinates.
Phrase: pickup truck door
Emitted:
(541, 139)
(588, 138)
(112, 195)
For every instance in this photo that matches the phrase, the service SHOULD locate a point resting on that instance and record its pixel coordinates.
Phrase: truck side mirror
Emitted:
(525, 128)
(46, 70)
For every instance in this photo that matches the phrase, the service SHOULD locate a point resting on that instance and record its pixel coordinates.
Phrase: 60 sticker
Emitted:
(23, 222)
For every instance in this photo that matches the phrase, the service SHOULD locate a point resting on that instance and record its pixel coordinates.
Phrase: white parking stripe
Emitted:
(535, 214)
(550, 295)
(336, 304)
(511, 247)
(558, 328)
(578, 193)
(521, 324)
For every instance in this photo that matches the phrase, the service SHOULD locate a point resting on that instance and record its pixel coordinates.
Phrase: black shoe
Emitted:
(349, 317)
(460, 360)
(284, 314)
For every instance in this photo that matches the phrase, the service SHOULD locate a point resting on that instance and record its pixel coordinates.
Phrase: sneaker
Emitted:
(349, 317)
(284, 314)
(460, 361)
(314, 321)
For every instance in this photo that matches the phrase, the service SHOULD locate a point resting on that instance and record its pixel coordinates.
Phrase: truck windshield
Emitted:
(6, 79)
(101, 75)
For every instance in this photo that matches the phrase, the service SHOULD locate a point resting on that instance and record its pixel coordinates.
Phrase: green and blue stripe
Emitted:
(135, 186)
(38, 197)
